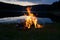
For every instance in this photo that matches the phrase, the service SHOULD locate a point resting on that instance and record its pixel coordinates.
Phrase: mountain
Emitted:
(43, 10)
(8, 10)
(52, 11)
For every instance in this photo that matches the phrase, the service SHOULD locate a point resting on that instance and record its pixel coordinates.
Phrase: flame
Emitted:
(31, 19)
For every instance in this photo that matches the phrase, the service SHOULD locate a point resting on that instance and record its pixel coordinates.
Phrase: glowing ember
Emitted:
(31, 19)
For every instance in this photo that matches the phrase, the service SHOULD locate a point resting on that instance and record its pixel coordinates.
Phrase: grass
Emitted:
(49, 32)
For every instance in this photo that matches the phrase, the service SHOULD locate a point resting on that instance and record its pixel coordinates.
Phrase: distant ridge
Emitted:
(43, 10)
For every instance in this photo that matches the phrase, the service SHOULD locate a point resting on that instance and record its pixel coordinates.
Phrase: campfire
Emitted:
(31, 19)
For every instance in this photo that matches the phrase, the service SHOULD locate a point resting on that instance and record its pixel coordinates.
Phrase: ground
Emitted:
(10, 32)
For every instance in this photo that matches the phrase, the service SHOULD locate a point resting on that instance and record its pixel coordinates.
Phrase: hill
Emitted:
(43, 10)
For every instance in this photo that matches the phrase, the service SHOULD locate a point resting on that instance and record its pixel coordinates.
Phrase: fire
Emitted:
(31, 19)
